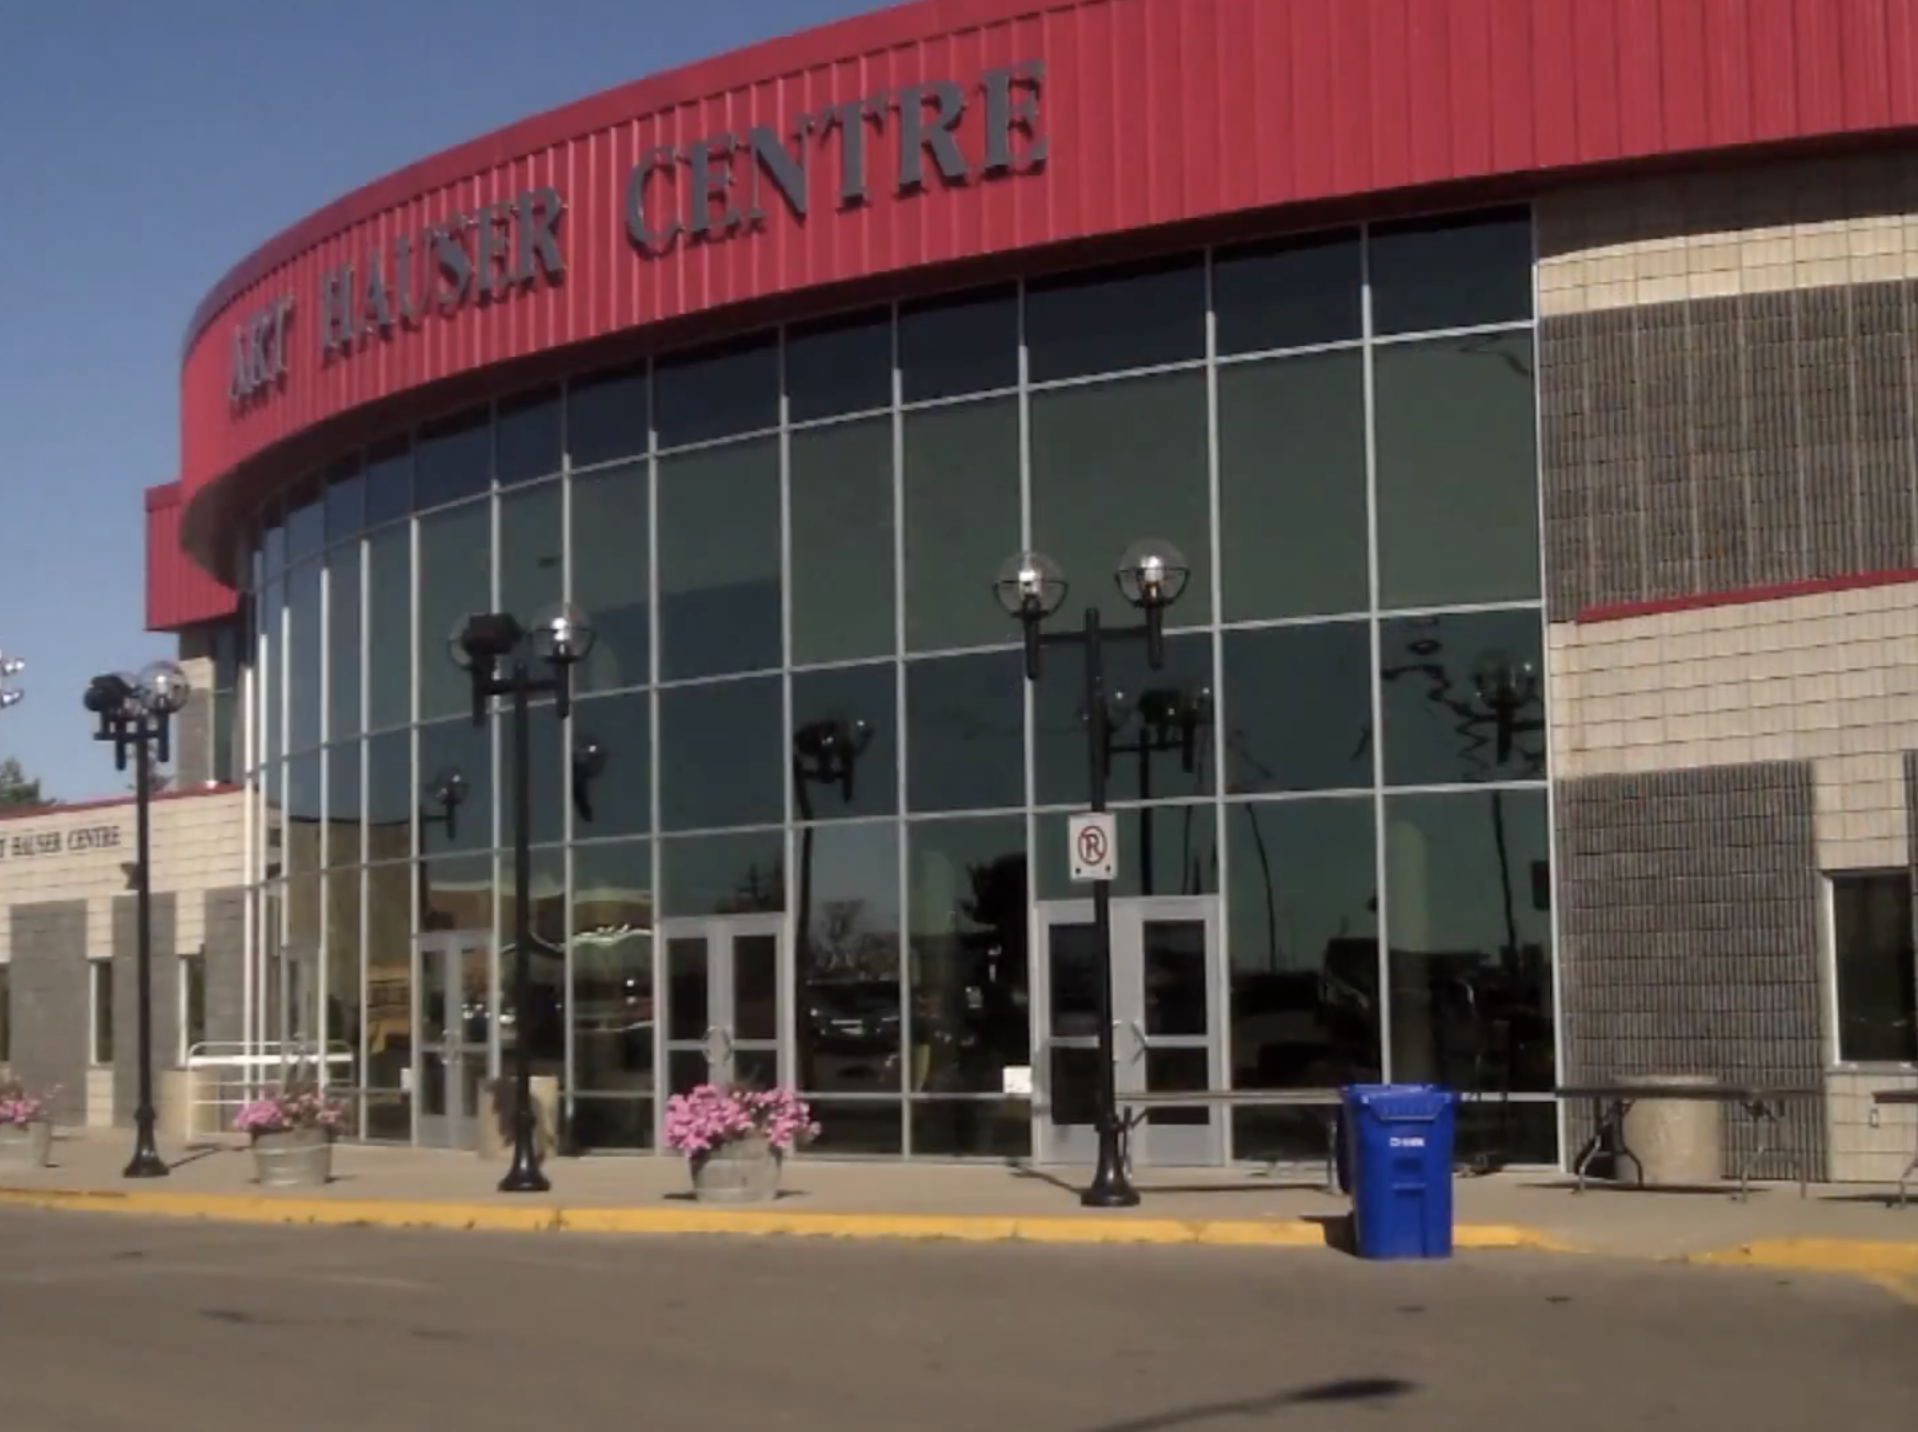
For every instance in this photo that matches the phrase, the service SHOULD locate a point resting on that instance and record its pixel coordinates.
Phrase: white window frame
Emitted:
(1828, 972)
(94, 965)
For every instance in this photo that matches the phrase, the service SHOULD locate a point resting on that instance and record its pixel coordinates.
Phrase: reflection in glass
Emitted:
(300, 840)
(967, 974)
(306, 657)
(1457, 471)
(345, 501)
(845, 747)
(1115, 319)
(1162, 742)
(455, 581)
(720, 393)
(389, 628)
(739, 873)
(1293, 531)
(305, 522)
(1471, 944)
(1463, 698)
(343, 663)
(857, 1128)
(454, 460)
(607, 417)
(848, 1022)
(1303, 938)
(720, 755)
(1115, 462)
(527, 437)
(343, 803)
(965, 732)
(842, 548)
(841, 366)
(962, 518)
(1452, 272)
(447, 746)
(719, 561)
(389, 978)
(949, 347)
(611, 567)
(1874, 968)
(1292, 293)
(273, 671)
(1163, 850)
(621, 796)
(456, 893)
(390, 796)
(1299, 703)
(544, 1024)
(971, 1128)
(532, 565)
(343, 988)
(389, 482)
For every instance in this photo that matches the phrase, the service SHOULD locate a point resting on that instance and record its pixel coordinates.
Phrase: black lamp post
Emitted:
(136, 712)
(490, 646)
(1031, 587)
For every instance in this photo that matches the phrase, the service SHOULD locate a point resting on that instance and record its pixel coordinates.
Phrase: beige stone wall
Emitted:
(1763, 228)
(1863, 1151)
(1830, 678)
(197, 846)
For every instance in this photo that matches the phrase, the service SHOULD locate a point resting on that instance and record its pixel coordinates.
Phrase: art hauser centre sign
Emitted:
(30, 843)
(719, 187)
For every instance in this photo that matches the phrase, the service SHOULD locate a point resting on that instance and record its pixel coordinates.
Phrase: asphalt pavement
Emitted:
(112, 1322)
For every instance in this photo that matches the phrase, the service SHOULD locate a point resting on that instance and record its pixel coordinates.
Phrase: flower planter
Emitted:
(26, 1145)
(293, 1158)
(742, 1170)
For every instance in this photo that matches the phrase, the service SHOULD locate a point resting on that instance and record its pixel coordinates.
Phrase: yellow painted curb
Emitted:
(1820, 1255)
(486, 1217)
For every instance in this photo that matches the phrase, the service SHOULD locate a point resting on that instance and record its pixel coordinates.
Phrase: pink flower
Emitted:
(711, 1116)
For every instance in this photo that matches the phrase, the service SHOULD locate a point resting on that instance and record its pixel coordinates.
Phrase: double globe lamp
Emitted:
(1031, 586)
(135, 713)
(499, 655)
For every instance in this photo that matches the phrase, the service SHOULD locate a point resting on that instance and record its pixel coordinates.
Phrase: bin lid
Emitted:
(1401, 1102)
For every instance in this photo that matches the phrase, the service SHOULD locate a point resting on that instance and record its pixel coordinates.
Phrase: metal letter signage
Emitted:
(259, 350)
(52, 842)
(715, 188)
(464, 259)
(1095, 846)
(693, 193)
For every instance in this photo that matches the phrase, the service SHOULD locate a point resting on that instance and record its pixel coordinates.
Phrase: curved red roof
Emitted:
(1151, 112)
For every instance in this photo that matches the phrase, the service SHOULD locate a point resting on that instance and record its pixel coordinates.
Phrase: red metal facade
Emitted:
(1154, 111)
(179, 593)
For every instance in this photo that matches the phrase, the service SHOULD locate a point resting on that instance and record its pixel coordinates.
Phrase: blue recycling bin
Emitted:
(1401, 1138)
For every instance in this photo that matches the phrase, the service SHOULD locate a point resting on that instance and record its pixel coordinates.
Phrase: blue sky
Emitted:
(144, 149)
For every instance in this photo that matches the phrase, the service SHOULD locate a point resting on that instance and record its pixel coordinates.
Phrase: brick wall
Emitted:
(1726, 379)
(1829, 679)
(126, 997)
(1688, 935)
(225, 962)
(49, 942)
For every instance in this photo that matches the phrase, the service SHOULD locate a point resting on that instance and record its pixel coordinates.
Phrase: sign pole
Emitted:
(1109, 1187)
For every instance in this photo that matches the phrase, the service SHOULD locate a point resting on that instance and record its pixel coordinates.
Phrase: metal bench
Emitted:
(1900, 1096)
(1135, 1108)
(1763, 1104)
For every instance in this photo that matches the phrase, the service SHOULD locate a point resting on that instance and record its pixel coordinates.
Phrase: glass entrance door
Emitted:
(1166, 1035)
(723, 1005)
(453, 981)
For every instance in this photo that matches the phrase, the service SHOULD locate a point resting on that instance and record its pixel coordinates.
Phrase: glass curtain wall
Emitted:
(811, 703)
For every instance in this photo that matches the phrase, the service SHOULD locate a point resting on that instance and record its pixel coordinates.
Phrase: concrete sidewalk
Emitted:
(1837, 1228)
